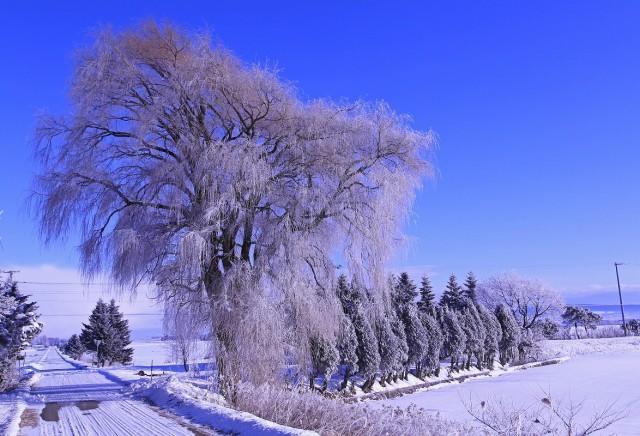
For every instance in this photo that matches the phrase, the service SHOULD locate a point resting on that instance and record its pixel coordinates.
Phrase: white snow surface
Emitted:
(572, 347)
(601, 372)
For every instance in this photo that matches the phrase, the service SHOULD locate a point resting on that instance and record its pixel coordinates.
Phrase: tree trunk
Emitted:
(345, 380)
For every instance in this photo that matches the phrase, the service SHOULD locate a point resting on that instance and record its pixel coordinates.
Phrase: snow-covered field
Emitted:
(601, 372)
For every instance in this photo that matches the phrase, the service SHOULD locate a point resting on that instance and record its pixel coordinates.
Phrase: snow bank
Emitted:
(205, 408)
(577, 347)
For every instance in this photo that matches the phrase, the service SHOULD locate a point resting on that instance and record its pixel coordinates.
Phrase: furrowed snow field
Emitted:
(600, 372)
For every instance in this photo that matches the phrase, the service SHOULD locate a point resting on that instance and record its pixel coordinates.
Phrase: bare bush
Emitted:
(551, 417)
(311, 411)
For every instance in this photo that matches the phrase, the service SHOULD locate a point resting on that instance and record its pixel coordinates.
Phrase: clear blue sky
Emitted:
(536, 104)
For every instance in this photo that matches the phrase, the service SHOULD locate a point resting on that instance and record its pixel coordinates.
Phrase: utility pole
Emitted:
(624, 324)
(10, 272)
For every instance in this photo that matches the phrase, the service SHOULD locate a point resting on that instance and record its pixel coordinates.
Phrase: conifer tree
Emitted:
(403, 294)
(402, 356)
(347, 345)
(18, 327)
(454, 338)
(431, 359)
(405, 290)
(510, 334)
(474, 331)
(99, 334)
(470, 285)
(493, 336)
(74, 348)
(452, 295)
(427, 297)
(121, 351)
(388, 347)
(417, 338)
(324, 359)
(353, 303)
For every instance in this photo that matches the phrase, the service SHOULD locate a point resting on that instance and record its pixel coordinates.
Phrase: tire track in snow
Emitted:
(64, 387)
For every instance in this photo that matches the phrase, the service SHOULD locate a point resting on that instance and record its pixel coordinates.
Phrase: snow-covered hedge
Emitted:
(206, 408)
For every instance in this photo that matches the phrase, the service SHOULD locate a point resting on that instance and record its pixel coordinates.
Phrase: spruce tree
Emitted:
(427, 297)
(324, 359)
(353, 302)
(387, 348)
(74, 348)
(454, 338)
(493, 336)
(347, 345)
(403, 301)
(18, 327)
(510, 334)
(470, 286)
(417, 339)
(405, 290)
(452, 295)
(121, 351)
(431, 359)
(99, 334)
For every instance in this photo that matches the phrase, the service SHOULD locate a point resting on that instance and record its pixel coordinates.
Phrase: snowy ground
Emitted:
(601, 372)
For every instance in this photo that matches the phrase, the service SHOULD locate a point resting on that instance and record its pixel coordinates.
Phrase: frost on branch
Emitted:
(213, 180)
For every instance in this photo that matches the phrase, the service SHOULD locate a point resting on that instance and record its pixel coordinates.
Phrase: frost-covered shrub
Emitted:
(333, 417)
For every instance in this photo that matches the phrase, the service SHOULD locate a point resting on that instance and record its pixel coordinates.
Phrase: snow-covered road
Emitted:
(68, 400)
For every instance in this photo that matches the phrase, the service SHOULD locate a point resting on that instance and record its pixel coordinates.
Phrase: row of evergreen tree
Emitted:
(106, 334)
(410, 331)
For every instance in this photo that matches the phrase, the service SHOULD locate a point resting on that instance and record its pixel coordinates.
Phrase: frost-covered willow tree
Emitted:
(211, 179)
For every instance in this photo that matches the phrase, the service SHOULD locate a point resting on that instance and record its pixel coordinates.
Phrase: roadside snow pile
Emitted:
(576, 347)
(206, 408)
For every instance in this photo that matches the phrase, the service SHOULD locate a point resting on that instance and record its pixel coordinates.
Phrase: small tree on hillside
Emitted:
(452, 295)
(427, 297)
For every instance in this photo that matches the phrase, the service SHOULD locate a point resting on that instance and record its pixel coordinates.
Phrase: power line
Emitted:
(87, 314)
